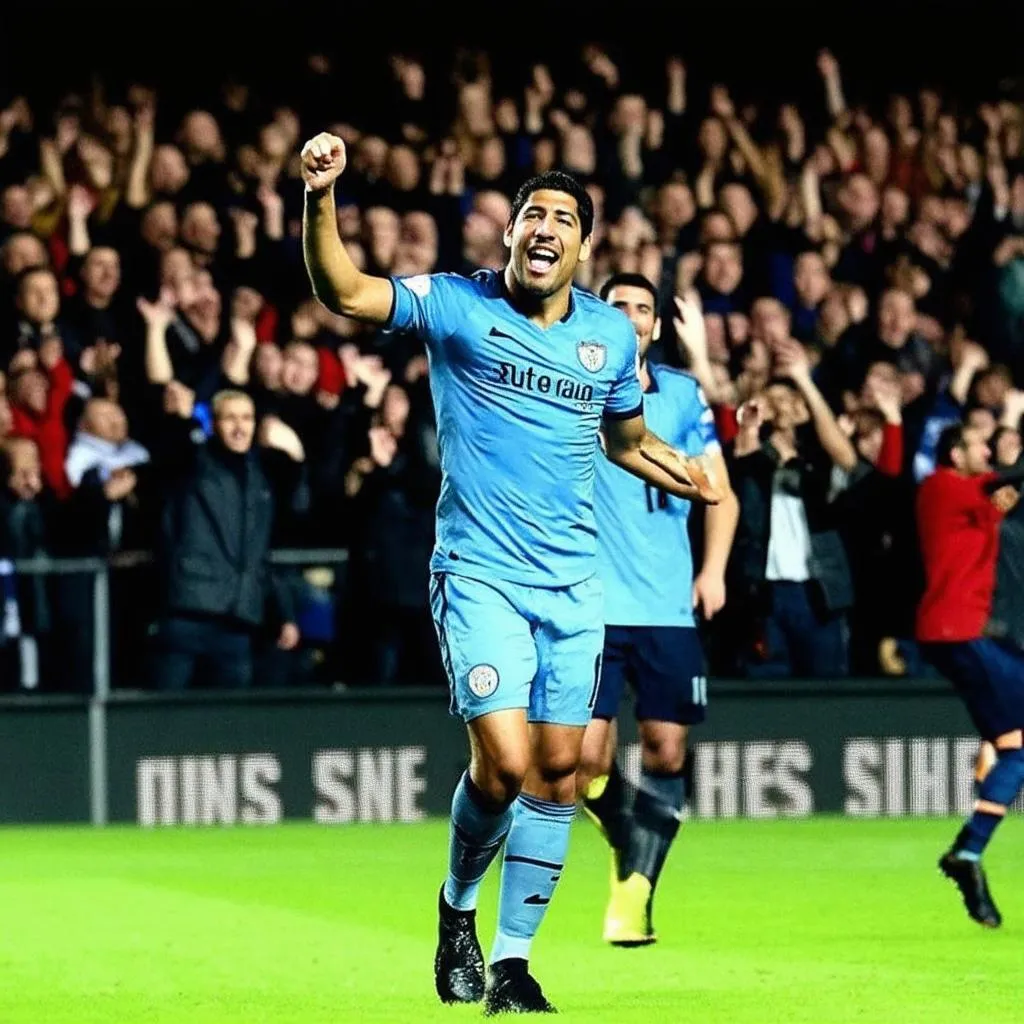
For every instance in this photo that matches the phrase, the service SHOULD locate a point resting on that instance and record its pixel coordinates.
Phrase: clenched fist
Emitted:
(323, 159)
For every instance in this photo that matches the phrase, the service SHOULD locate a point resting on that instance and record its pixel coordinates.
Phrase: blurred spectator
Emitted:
(395, 485)
(217, 529)
(790, 561)
(24, 529)
(40, 387)
(867, 249)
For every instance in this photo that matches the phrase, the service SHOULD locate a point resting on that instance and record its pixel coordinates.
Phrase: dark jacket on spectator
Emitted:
(24, 526)
(217, 532)
(875, 517)
(753, 476)
(394, 532)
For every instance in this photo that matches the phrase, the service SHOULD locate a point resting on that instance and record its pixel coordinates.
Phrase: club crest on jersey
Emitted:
(483, 680)
(591, 355)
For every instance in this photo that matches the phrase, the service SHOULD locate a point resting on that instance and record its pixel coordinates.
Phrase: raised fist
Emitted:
(323, 159)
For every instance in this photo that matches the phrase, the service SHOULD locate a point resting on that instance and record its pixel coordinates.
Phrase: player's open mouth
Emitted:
(540, 258)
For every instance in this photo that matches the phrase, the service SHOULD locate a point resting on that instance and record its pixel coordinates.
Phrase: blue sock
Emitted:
(475, 834)
(996, 793)
(534, 857)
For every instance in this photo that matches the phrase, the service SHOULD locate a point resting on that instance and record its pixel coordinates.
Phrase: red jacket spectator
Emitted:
(38, 413)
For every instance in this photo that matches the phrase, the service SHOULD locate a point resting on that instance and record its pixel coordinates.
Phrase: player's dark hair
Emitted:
(628, 281)
(951, 438)
(557, 181)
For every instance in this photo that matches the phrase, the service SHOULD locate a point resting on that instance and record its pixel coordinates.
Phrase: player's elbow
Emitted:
(336, 301)
(627, 457)
(326, 290)
(620, 446)
(331, 301)
(364, 298)
(615, 453)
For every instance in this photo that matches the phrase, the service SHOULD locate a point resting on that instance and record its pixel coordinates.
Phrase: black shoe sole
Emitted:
(490, 1011)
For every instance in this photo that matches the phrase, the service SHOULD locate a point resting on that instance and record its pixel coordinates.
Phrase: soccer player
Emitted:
(524, 371)
(651, 639)
(959, 508)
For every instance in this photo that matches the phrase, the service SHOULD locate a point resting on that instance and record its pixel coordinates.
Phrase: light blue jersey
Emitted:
(644, 557)
(518, 410)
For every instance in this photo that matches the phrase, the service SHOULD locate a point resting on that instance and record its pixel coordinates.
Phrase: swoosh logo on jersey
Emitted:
(495, 333)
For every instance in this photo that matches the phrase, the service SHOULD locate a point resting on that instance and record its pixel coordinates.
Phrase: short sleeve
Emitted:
(701, 436)
(626, 397)
(426, 305)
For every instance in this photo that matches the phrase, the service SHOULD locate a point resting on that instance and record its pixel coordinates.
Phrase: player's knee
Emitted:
(663, 753)
(501, 778)
(558, 766)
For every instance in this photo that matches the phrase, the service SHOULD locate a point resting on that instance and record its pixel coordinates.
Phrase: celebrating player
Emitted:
(651, 639)
(959, 508)
(524, 370)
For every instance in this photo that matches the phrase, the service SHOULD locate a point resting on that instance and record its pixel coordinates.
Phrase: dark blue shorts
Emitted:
(665, 667)
(989, 677)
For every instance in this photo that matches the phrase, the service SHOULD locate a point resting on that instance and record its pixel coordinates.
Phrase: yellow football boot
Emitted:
(627, 921)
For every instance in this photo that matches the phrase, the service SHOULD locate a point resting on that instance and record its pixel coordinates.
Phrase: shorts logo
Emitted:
(591, 355)
(483, 680)
(419, 285)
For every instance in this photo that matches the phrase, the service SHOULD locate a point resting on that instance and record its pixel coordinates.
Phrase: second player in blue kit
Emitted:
(525, 370)
(651, 639)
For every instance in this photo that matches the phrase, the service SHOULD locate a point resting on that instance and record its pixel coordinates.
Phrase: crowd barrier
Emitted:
(858, 747)
(863, 748)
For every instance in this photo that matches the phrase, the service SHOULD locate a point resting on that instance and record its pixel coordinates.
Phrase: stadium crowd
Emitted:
(861, 275)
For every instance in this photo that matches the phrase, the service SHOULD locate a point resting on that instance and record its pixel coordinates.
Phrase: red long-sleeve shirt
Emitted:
(726, 423)
(890, 457)
(958, 527)
(48, 430)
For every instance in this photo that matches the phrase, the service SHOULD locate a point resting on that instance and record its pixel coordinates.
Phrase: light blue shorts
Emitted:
(510, 646)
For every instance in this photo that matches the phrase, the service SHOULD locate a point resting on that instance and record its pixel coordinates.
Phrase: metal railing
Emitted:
(99, 698)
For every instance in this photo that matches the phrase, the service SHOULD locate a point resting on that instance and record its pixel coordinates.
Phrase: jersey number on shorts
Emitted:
(700, 690)
(657, 500)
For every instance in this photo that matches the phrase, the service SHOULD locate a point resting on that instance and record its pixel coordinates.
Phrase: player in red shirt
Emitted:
(959, 509)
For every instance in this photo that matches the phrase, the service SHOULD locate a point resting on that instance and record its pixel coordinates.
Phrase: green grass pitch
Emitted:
(819, 921)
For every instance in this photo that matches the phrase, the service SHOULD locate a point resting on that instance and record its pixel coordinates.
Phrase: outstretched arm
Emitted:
(337, 282)
(632, 447)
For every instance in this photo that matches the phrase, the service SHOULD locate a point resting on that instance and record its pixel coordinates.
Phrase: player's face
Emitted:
(546, 243)
(638, 305)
